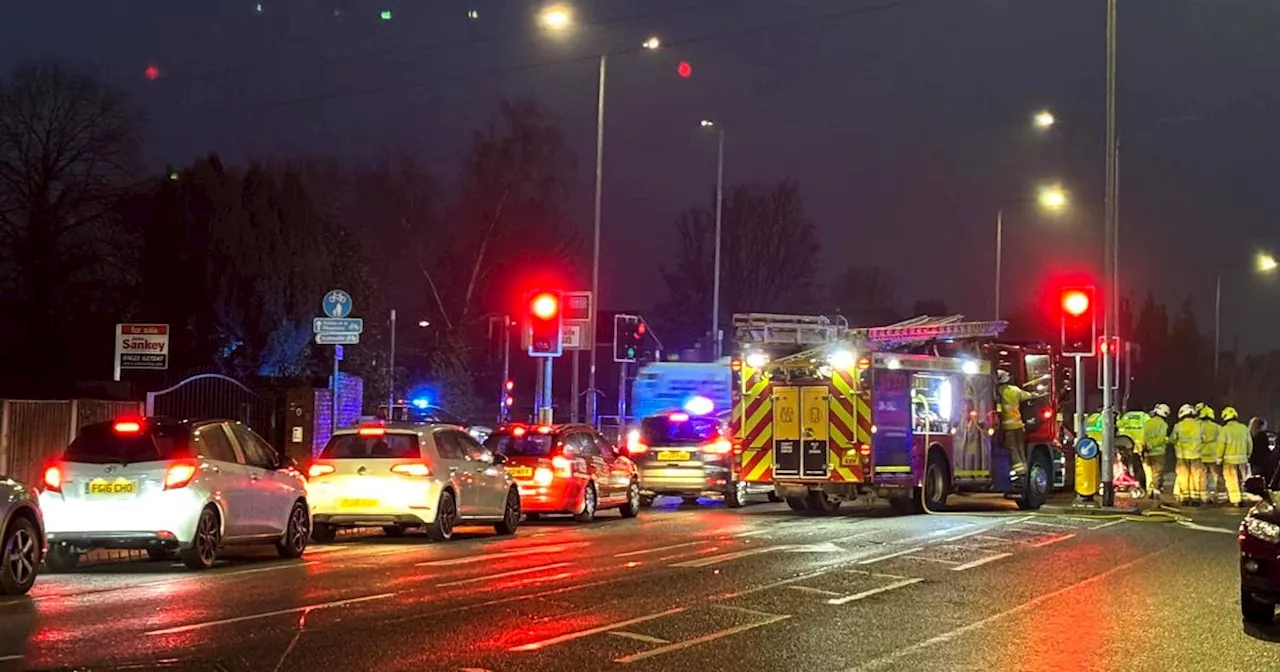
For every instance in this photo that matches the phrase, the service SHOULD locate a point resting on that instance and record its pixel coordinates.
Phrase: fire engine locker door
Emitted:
(786, 431)
(813, 431)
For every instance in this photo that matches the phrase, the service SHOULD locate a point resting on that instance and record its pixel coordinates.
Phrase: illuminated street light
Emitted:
(1266, 262)
(424, 323)
(1052, 198)
(1043, 120)
(707, 123)
(556, 17)
(652, 43)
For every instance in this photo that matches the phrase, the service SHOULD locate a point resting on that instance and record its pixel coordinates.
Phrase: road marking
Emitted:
(501, 575)
(926, 559)
(698, 640)
(903, 652)
(878, 576)
(1044, 524)
(1099, 527)
(726, 557)
(639, 637)
(753, 533)
(659, 549)
(280, 612)
(817, 591)
(869, 561)
(979, 563)
(966, 535)
(743, 610)
(1053, 540)
(874, 591)
(501, 555)
(568, 637)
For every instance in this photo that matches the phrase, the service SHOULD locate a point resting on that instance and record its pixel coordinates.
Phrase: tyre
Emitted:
(1038, 483)
(736, 496)
(937, 483)
(393, 530)
(204, 546)
(156, 553)
(296, 532)
(632, 508)
(323, 533)
(646, 501)
(589, 503)
(821, 504)
(1255, 610)
(446, 518)
(61, 558)
(510, 514)
(19, 557)
(798, 504)
(691, 501)
(773, 497)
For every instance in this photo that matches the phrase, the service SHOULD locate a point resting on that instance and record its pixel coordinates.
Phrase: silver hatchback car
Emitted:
(21, 537)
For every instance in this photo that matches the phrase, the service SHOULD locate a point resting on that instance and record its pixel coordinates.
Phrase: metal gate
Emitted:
(213, 395)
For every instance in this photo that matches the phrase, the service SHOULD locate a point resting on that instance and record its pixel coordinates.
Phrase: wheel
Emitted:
(393, 530)
(773, 497)
(446, 518)
(323, 533)
(588, 512)
(510, 514)
(1255, 610)
(632, 508)
(19, 556)
(821, 504)
(798, 504)
(736, 496)
(691, 501)
(937, 484)
(204, 547)
(1037, 487)
(296, 532)
(905, 506)
(61, 558)
(157, 553)
(646, 501)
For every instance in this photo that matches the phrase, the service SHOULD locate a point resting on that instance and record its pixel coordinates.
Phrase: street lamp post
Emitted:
(715, 292)
(1051, 198)
(1266, 263)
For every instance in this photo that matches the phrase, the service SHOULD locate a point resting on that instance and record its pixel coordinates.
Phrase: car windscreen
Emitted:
(101, 444)
(389, 446)
(529, 445)
(663, 431)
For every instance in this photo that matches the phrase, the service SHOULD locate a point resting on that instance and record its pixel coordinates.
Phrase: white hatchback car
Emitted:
(404, 475)
(166, 485)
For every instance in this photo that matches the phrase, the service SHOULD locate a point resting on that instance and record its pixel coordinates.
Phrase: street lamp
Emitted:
(1264, 262)
(424, 323)
(715, 292)
(556, 17)
(1050, 198)
(652, 43)
(1043, 120)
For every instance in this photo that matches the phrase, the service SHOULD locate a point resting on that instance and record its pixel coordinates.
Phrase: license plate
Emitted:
(358, 503)
(101, 487)
(673, 456)
(520, 472)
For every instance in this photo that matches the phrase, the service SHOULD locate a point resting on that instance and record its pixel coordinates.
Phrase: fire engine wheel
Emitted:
(797, 504)
(821, 504)
(736, 496)
(937, 483)
(1036, 490)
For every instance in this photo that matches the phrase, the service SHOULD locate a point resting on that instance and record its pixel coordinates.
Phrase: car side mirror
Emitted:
(1256, 485)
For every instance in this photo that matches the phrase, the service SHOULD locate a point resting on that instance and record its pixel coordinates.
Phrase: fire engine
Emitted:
(906, 412)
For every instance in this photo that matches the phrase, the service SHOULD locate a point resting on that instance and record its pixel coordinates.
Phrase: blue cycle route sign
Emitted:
(337, 303)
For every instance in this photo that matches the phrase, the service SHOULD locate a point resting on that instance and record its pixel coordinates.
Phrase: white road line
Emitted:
(742, 610)
(874, 591)
(568, 637)
(1206, 528)
(1054, 540)
(726, 557)
(502, 575)
(894, 656)
(869, 561)
(1114, 522)
(753, 533)
(979, 563)
(280, 612)
(698, 640)
(501, 555)
(966, 535)
(1044, 524)
(878, 576)
(639, 637)
(659, 549)
(926, 559)
(816, 591)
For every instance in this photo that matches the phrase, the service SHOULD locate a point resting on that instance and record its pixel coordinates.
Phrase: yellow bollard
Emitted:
(1086, 467)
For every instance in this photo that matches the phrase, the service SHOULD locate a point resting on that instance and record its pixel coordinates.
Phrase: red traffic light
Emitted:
(1075, 302)
(684, 69)
(544, 306)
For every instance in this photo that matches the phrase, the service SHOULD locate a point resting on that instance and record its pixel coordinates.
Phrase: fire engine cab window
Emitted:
(101, 444)
(666, 432)
(931, 404)
(529, 445)
(388, 446)
(1038, 367)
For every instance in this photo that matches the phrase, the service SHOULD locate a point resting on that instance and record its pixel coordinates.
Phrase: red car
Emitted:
(568, 469)
(1260, 553)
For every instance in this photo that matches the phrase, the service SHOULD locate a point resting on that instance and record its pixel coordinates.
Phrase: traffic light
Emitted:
(628, 337)
(546, 324)
(1079, 322)
(1116, 350)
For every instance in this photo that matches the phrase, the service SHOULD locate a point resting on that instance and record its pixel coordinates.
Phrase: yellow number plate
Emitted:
(673, 456)
(101, 486)
(520, 472)
(358, 503)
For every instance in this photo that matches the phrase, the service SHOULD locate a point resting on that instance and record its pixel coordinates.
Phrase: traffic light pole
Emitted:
(1108, 320)
(546, 414)
(622, 397)
(573, 390)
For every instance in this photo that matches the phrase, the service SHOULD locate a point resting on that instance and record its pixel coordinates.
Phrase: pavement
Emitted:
(679, 588)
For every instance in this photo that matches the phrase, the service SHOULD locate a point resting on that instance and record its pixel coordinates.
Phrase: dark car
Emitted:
(1260, 552)
(688, 456)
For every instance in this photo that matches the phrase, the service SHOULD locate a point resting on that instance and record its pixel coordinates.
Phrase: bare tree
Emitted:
(866, 295)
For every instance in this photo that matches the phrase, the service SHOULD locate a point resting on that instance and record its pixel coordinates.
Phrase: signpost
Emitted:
(141, 346)
(337, 329)
(578, 335)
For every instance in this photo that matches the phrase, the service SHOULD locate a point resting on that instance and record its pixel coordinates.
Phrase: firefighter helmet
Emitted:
(1186, 411)
(1206, 413)
(1161, 410)
(1229, 413)
(1003, 377)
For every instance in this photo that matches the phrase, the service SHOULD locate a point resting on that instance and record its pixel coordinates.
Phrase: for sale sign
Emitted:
(141, 346)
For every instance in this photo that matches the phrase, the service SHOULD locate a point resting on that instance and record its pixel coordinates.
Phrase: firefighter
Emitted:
(1013, 431)
(1211, 455)
(1236, 443)
(1189, 486)
(1155, 439)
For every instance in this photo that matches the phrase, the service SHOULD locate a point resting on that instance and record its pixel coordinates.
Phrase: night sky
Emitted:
(906, 126)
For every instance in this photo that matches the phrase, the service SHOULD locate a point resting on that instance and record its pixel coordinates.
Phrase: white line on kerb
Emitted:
(874, 591)
(280, 612)
(501, 575)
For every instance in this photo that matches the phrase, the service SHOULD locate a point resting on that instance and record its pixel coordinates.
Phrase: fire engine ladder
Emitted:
(775, 329)
(925, 328)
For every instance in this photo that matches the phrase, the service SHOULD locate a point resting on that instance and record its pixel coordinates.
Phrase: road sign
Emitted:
(578, 312)
(571, 337)
(337, 303)
(340, 338)
(141, 346)
(337, 325)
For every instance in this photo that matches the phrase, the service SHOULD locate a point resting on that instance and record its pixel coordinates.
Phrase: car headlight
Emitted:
(1262, 529)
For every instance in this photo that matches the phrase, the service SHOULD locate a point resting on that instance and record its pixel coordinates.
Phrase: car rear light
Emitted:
(634, 444)
(1047, 414)
(372, 431)
(543, 476)
(411, 469)
(318, 470)
(563, 465)
(179, 475)
(53, 479)
(717, 447)
(517, 432)
(127, 426)
(678, 417)
(544, 429)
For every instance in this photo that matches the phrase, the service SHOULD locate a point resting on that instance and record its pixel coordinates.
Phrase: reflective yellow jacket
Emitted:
(1211, 441)
(1155, 436)
(1186, 439)
(1011, 398)
(1236, 443)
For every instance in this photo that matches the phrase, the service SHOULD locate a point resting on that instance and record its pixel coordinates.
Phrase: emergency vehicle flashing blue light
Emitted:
(421, 402)
(699, 406)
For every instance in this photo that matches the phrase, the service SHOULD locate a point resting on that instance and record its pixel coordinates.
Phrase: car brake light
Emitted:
(1047, 414)
(634, 444)
(53, 479)
(563, 465)
(411, 469)
(543, 476)
(717, 447)
(372, 431)
(317, 470)
(179, 475)
(127, 427)
(678, 417)
(517, 432)
(544, 429)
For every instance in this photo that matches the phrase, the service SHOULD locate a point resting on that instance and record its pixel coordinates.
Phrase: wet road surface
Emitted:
(688, 588)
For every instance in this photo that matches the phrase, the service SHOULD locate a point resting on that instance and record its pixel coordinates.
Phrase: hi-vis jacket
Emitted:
(1211, 441)
(1155, 436)
(1236, 443)
(1186, 439)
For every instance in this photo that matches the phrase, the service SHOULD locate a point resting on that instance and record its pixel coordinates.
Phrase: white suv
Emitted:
(166, 485)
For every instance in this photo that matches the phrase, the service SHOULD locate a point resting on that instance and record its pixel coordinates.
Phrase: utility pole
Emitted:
(1111, 311)
(391, 366)
(595, 247)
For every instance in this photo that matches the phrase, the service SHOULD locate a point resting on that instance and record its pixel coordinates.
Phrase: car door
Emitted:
(228, 476)
(458, 470)
(585, 446)
(274, 489)
(619, 467)
(490, 480)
